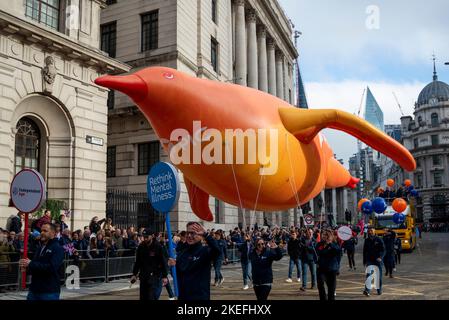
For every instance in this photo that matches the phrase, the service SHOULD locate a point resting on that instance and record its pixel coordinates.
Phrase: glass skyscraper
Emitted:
(373, 113)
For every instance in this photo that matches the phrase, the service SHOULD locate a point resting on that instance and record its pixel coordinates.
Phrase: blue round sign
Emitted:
(163, 187)
(398, 218)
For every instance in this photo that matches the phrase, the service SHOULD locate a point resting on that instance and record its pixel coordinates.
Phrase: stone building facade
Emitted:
(248, 42)
(49, 105)
(427, 137)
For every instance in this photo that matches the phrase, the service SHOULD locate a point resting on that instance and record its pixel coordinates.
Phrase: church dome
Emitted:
(435, 90)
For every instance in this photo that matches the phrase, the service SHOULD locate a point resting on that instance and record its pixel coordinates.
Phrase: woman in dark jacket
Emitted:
(223, 256)
(389, 262)
(262, 258)
(349, 247)
(329, 256)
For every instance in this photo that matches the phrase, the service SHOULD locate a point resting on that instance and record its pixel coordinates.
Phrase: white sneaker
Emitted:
(394, 269)
(289, 280)
(221, 282)
(245, 287)
(172, 298)
(299, 279)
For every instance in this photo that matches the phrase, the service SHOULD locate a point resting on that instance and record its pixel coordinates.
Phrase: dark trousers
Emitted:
(150, 289)
(397, 257)
(217, 267)
(330, 279)
(262, 292)
(169, 289)
(351, 259)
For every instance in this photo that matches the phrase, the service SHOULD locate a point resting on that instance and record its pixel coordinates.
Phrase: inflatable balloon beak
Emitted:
(131, 85)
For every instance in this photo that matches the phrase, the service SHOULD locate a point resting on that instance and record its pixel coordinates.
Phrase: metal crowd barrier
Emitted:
(104, 266)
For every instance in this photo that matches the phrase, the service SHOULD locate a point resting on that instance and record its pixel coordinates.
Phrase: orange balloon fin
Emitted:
(305, 124)
(199, 201)
(338, 176)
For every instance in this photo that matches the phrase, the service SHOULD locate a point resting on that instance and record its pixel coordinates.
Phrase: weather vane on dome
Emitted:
(435, 75)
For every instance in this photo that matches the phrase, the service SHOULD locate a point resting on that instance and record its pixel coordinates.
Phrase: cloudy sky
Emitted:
(344, 48)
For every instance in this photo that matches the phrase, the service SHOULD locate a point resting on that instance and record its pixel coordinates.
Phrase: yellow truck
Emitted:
(404, 231)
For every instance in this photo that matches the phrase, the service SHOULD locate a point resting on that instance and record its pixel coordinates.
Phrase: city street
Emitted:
(423, 274)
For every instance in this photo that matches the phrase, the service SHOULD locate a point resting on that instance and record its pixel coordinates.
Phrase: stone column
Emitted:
(240, 43)
(427, 208)
(280, 75)
(262, 58)
(271, 52)
(334, 204)
(253, 78)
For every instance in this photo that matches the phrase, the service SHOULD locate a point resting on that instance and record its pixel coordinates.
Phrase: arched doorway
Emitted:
(27, 145)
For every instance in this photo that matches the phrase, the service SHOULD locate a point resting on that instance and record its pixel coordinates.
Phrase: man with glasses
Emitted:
(151, 266)
(193, 263)
(262, 258)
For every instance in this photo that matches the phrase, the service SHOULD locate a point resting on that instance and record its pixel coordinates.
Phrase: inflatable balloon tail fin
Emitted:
(338, 176)
(306, 124)
(199, 201)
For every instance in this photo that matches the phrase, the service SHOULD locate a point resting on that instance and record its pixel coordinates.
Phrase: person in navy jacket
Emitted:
(245, 249)
(193, 264)
(328, 265)
(262, 258)
(45, 266)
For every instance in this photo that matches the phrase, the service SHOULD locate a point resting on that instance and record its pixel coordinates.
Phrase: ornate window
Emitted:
(435, 120)
(44, 11)
(27, 145)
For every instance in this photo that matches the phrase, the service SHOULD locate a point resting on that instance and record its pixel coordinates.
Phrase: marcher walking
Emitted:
(294, 251)
(373, 253)
(329, 255)
(193, 264)
(151, 267)
(308, 258)
(349, 247)
(262, 258)
(45, 266)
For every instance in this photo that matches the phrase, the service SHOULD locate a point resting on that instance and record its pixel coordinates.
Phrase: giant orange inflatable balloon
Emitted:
(399, 205)
(299, 161)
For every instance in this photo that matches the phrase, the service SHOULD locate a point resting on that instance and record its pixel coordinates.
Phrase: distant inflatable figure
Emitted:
(303, 161)
(361, 202)
(390, 183)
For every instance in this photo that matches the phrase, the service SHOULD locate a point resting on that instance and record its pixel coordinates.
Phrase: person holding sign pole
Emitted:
(151, 266)
(193, 264)
(45, 266)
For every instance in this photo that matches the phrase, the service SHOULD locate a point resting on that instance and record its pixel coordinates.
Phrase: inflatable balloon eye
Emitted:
(379, 205)
(398, 218)
(361, 202)
(390, 183)
(367, 207)
(408, 183)
(399, 205)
